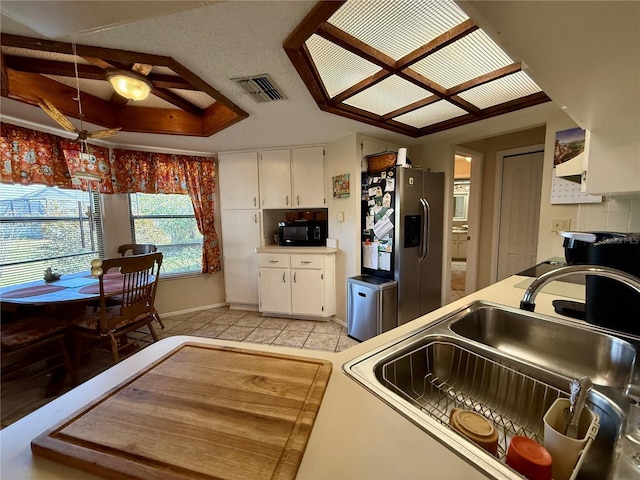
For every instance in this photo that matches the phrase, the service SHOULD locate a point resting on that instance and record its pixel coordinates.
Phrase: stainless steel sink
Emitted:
(508, 365)
(569, 351)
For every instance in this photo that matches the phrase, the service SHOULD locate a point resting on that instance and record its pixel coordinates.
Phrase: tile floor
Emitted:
(21, 396)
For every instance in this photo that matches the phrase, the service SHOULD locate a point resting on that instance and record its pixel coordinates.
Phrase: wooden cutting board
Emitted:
(201, 412)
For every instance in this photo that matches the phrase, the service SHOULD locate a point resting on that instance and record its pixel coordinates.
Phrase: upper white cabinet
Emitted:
(238, 173)
(292, 178)
(275, 178)
(307, 172)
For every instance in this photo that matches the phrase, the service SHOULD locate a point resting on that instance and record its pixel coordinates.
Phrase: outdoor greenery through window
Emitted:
(44, 227)
(168, 221)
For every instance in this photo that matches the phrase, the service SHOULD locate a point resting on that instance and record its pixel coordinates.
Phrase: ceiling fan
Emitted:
(65, 123)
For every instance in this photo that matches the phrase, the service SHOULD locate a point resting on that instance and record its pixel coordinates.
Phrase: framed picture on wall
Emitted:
(341, 186)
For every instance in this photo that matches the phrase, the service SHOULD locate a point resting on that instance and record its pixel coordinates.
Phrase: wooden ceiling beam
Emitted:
(360, 86)
(178, 101)
(481, 80)
(318, 15)
(53, 67)
(438, 43)
(411, 107)
(357, 47)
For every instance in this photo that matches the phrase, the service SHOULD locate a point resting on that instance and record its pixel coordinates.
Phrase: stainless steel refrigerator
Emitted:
(402, 220)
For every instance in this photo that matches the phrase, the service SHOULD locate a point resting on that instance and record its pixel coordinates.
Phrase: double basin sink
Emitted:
(510, 366)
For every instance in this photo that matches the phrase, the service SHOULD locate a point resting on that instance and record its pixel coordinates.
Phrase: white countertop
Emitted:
(356, 435)
(290, 250)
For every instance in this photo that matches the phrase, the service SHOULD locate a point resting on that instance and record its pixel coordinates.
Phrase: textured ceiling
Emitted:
(219, 42)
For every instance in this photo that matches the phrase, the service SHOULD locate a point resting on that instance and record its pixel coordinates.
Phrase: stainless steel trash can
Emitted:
(372, 306)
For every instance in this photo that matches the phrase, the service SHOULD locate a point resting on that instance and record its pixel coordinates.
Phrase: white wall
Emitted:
(343, 156)
(620, 213)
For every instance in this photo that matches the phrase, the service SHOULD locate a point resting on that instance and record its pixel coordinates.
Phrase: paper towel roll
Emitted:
(402, 157)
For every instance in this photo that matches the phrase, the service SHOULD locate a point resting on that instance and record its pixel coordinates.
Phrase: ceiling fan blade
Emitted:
(103, 133)
(54, 113)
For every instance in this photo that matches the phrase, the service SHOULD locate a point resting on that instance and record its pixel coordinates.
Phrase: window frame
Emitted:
(95, 224)
(133, 217)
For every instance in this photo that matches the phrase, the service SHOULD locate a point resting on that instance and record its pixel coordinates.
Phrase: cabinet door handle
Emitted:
(255, 202)
(274, 261)
(286, 200)
(294, 277)
(298, 199)
(255, 218)
(283, 280)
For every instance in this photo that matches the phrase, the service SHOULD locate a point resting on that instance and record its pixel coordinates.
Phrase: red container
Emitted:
(529, 458)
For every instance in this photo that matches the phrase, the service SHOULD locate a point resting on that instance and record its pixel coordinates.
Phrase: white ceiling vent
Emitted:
(261, 88)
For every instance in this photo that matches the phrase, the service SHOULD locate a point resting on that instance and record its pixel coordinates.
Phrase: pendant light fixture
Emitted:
(131, 85)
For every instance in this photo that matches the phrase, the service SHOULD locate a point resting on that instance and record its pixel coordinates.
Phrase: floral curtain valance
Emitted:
(30, 156)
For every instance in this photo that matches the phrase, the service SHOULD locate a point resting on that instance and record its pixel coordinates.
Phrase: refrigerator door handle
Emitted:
(426, 227)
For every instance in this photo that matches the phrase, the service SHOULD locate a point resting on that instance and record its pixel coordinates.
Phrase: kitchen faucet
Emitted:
(527, 302)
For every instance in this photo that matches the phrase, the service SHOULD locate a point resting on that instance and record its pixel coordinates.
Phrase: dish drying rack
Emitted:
(440, 376)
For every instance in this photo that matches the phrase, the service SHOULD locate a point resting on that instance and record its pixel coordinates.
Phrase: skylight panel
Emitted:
(470, 57)
(388, 95)
(339, 69)
(431, 114)
(500, 91)
(397, 27)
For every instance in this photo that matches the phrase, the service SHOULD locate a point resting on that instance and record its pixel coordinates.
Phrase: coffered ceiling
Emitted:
(181, 103)
(415, 67)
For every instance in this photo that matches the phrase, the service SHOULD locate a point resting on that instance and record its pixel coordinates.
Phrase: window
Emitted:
(168, 222)
(44, 227)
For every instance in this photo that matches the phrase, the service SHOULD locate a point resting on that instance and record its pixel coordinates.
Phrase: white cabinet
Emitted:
(238, 173)
(307, 174)
(275, 178)
(275, 283)
(459, 246)
(292, 178)
(299, 284)
(240, 238)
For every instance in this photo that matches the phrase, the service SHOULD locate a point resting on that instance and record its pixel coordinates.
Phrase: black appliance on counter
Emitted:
(608, 303)
(303, 233)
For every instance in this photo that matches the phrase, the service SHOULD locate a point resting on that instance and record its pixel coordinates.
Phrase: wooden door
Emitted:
(519, 213)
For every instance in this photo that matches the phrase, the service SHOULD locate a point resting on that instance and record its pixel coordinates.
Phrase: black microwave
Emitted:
(303, 233)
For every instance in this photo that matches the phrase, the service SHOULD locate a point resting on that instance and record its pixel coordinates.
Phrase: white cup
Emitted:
(567, 453)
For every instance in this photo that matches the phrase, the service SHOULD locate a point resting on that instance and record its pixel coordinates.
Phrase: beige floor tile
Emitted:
(291, 338)
(321, 341)
(184, 328)
(327, 327)
(210, 330)
(301, 325)
(249, 321)
(274, 322)
(235, 333)
(225, 319)
(345, 342)
(263, 335)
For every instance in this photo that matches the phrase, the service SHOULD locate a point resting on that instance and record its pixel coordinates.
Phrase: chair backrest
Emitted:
(136, 248)
(139, 275)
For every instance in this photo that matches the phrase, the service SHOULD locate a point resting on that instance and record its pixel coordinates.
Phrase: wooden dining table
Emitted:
(76, 287)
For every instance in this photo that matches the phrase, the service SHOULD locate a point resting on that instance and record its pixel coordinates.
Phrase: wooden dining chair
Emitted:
(36, 345)
(136, 249)
(112, 323)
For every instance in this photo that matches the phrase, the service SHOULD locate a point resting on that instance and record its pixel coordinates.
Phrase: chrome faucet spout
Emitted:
(527, 302)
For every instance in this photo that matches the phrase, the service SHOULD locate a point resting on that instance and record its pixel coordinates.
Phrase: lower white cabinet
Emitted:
(240, 238)
(459, 246)
(297, 284)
